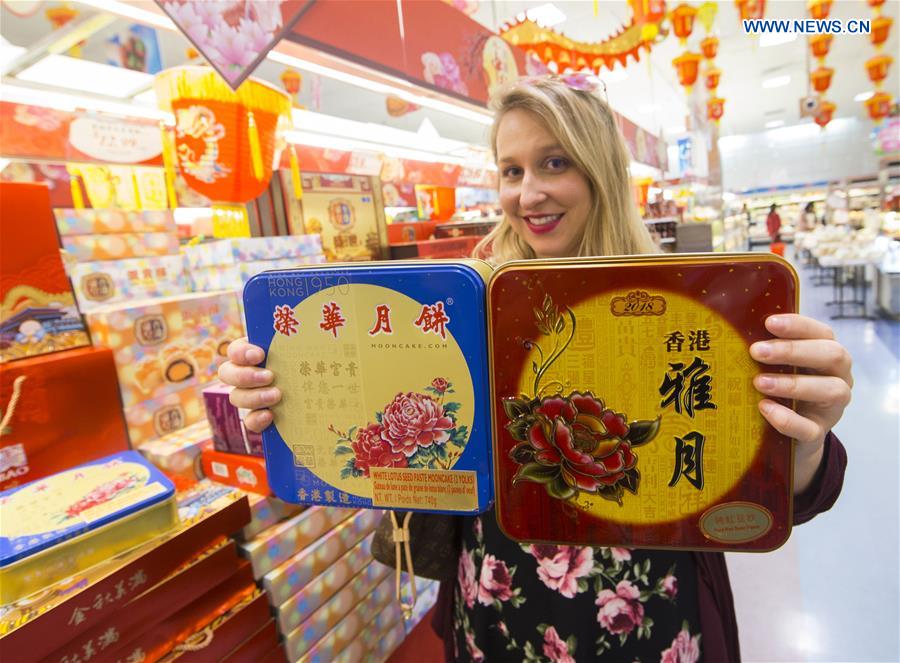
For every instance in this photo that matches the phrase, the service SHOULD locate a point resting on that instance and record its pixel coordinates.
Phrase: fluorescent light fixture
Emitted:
(8, 53)
(546, 15)
(774, 124)
(69, 102)
(351, 144)
(776, 81)
(863, 96)
(649, 108)
(131, 10)
(86, 76)
(776, 39)
(728, 196)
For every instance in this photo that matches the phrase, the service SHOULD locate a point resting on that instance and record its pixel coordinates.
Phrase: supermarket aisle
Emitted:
(832, 593)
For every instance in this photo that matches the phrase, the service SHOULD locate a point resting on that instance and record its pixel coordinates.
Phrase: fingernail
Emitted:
(762, 350)
(270, 396)
(766, 406)
(254, 355)
(264, 376)
(776, 322)
(765, 382)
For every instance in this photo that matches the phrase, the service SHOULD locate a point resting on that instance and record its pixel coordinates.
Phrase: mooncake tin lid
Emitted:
(617, 372)
(46, 512)
(364, 354)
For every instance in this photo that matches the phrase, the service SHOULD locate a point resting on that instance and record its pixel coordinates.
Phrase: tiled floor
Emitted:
(832, 592)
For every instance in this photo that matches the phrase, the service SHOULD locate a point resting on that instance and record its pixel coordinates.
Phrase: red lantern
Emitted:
(715, 108)
(750, 9)
(821, 79)
(881, 29)
(687, 65)
(291, 79)
(877, 68)
(826, 112)
(876, 5)
(879, 105)
(709, 47)
(819, 9)
(683, 21)
(820, 45)
(712, 79)
(648, 11)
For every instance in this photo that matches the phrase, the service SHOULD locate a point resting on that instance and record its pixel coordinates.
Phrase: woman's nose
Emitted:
(532, 192)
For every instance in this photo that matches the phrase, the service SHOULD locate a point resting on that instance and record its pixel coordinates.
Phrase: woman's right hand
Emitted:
(251, 383)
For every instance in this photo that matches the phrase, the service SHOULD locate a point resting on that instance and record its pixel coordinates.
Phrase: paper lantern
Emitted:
(648, 14)
(876, 5)
(879, 105)
(821, 79)
(709, 47)
(750, 9)
(825, 114)
(291, 79)
(877, 68)
(712, 78)
(881, 30)
(687, 65)
(683, 21)
(820, 45)
(225, 143)
(715, 108)
(819, 9)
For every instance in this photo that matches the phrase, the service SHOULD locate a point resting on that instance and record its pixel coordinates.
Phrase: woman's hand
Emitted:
(821, 388)
(251, 383)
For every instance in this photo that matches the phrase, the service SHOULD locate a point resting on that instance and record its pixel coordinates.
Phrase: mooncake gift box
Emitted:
(38, 314)
(266, 511)
(155, 418)
(62, 524)
(257, 646)
(240, 471)
(104, 282)
(383, 368)
(624, 407)
(279, 543)
(376, 642)
(227, 422)
(163, 345)
(107, 221)
(86, 248)
(61, 410)
(178, 454)
(234, 276)
(251, 249)
(290, 577)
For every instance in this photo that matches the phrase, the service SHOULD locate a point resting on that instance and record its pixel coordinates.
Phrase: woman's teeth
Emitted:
(543, 220)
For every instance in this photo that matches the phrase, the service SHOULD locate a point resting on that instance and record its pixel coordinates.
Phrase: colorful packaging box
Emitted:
(107, 221)
(644, 362)
(38, 314)
(178, 454)
(152, 419)
(372, 644)
(240, 471)
(251, 249)
(100, 283)
(380, 602)
(200, 575)
(228, 631)
(233, 277)
(86, 248)
(280, 542)
(334, 610)
(39, 625)
(290, 577)
(164, 345)
(266, 510)
(354, 562)
(62, 524)
(335, 337)
(68, 412)
(227, 423)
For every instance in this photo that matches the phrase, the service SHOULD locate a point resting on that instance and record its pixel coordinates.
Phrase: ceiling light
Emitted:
(69, 102)
(349, 144)
(546, 15)
(129, 10)
(774, 124)
(863, 96)
(776, 81)
(776, 39)
(86, 76)
(8, 53)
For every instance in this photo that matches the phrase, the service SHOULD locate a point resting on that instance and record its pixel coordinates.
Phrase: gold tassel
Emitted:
(295, 173)
(137, 190)
(255, 149)
(168, 166)
(75, 186)
(204, 83)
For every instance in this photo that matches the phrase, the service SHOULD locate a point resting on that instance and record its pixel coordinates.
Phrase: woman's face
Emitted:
(545, 197)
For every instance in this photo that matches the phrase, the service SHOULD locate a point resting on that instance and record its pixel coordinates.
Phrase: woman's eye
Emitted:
(512, 171)
(557, 163)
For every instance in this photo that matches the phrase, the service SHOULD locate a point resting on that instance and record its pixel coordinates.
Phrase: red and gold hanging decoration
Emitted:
(715, 108)
(820, 45)
(687, 66)
(879, 103)
(821, 79)
(710, 47)
(878, 67)
(881, 30)
(876, 6)
(825, 114)
(292, 81)
(819, 9)
(682, 19)
(712, 77)
(751, 9)
(561, 53)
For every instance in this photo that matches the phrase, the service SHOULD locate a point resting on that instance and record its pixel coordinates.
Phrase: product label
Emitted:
(424, 489)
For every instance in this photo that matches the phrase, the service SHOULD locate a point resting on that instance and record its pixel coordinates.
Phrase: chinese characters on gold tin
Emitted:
(432, 319)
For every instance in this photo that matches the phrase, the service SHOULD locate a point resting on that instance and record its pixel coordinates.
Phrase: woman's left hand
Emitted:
(821, 388)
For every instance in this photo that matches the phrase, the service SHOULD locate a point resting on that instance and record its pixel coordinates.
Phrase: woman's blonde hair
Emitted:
(586, 129)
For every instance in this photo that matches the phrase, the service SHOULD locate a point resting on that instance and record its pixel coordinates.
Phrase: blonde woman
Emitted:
(564, 189)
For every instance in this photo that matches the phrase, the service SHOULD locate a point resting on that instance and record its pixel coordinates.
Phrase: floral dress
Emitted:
(521, 602)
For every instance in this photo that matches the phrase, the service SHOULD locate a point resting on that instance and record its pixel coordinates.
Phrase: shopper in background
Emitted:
(773, 223)
(807, 220)
(564, 189)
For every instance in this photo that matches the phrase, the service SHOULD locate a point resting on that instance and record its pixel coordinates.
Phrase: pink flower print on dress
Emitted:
(495, 583)
(466, 577)
(560, 567)
(620, 611)
(670, 586)
(555, 648)
(684, 649)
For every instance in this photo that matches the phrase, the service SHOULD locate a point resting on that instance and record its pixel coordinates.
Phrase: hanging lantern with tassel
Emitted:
(821, 79)
(712, 77)
(709, 47)
(876, 6)
(820, 45)
(751, 9)
(881, 30)
(879, 105)
(682, 19)
(877, 68)
(687, 65)
(715, 108)
(820, 9)
(825, 114)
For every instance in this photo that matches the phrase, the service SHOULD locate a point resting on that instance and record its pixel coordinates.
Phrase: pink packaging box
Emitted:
(227, 422)
(84, 248)
(277, 544)
(178, 454)
(265, 512)
(301, 605)
(286, 580)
